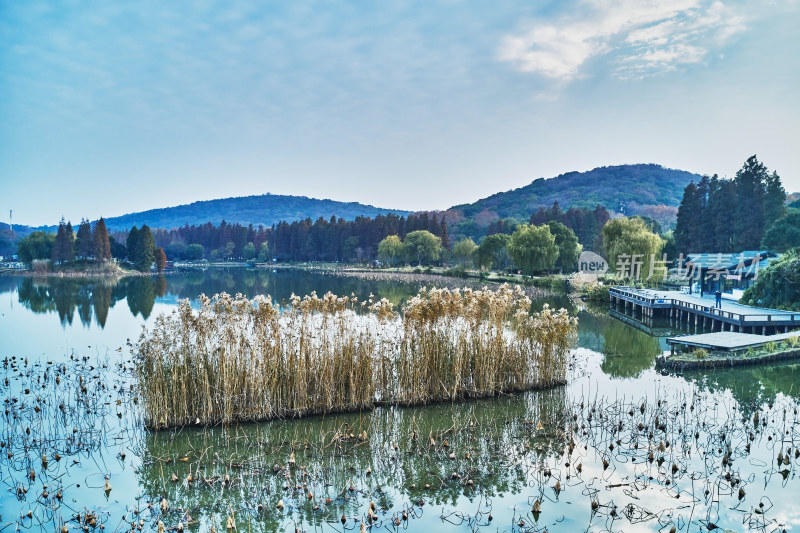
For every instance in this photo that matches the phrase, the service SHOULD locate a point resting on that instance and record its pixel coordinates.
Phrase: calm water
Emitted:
(584, 450)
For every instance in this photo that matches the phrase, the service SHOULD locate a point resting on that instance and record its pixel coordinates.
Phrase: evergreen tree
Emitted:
(68, 244)
(37, 245)
(784, 234)
(58, 246)
(444, 236)
(101, 244)
(749, 221)
(722, 211)
(774, 199)
(145, 249)
(687, 223)
(704, 229)
(84, 246)
(130, 243)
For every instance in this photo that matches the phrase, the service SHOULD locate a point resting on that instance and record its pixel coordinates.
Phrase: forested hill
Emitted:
(624, 189)
(266, 209)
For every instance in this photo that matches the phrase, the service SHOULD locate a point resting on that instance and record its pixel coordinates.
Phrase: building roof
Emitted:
(730, 262)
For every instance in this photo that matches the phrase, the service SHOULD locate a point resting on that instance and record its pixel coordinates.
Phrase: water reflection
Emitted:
(92, 298)
(630, 426)
(627, 352)
(89, 298)
(323, 468)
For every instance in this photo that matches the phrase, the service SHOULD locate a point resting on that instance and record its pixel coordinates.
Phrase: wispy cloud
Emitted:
(644, 37)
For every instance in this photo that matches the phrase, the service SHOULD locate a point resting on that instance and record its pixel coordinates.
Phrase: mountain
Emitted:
(620, 189)
(265, 209)
(645, 189)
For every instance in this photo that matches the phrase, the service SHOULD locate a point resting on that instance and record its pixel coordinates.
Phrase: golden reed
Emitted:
(237, 360)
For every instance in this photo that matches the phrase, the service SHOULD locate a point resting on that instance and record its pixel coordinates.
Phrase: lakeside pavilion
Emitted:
(730, 273)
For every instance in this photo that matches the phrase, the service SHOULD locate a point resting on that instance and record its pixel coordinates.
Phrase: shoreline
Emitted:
(74, 274)
(720, 360)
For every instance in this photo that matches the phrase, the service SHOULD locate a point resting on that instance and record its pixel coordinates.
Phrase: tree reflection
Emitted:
(90, 297)
(627, 351)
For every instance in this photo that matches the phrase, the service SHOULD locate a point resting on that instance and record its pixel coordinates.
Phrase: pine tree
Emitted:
(145, 249)
(722, 210)
(69, 243)
(774, 199)
(130, 243)
(59, 247)
(704, 229)
(102, 246)
(749, 221)
(84, 246)
(686, 225)
(444, 235)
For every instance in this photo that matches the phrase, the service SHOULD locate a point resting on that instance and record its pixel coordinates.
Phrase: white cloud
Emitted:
(645, 36)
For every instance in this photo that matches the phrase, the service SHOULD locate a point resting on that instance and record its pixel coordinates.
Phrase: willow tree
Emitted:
(423, 246)
(533, 248)
(632, 250)
(464, 251)
(391, 249)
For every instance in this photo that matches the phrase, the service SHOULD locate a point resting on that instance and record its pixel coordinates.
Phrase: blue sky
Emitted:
(114, 107)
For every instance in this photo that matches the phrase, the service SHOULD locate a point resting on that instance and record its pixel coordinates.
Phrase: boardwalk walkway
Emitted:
(688, 309)
(728, 340)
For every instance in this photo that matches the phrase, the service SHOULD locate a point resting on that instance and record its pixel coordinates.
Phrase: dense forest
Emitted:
(647, 190)
(732, 215)
(335, 239)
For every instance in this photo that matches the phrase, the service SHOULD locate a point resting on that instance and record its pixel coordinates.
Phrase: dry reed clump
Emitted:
(245, 360)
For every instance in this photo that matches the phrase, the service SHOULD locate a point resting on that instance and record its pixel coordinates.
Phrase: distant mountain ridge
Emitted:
(620, 189)
(648, 189)
(265, 209)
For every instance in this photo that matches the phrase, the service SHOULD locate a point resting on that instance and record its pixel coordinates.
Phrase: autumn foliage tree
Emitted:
(161, 259)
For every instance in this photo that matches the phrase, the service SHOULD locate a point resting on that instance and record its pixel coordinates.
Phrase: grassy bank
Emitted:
(76, 269)
(242, 360)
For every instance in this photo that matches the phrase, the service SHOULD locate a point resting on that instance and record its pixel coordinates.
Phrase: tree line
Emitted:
(65, 245)
(530, 249)
(731, 215)
(334, 239)
(91, 244)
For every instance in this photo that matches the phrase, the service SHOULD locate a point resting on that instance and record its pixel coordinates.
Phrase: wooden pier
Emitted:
(693, 310)
(727, 341)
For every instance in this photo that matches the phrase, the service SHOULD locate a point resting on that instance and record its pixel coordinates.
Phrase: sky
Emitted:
(108, 108)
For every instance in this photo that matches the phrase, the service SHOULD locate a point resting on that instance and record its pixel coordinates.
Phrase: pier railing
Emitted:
(641, 297)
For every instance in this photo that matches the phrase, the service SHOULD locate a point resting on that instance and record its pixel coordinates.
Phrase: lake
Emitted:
(622, 447)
